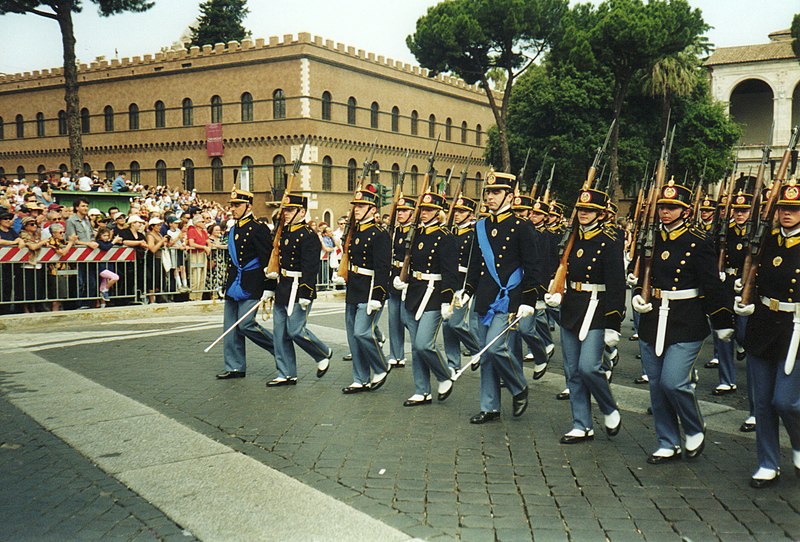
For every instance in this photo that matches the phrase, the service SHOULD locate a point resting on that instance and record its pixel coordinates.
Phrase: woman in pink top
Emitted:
(199, 249)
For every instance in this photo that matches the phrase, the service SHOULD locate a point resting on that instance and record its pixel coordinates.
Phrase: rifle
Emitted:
(344, 261)
(412, 232)
(521, 175)
(651, 227)
(398, 193)
(724, 222)
(546, 198)
(765, 223)
(748, 225)
(274, 259)
(560, 278)
(457, 194)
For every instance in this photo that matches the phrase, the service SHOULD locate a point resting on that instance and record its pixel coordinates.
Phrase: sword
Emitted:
(791, 355)
(477, 357)
(239, 321)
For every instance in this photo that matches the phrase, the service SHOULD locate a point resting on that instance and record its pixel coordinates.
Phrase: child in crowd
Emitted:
(107, 277)
(177, 234)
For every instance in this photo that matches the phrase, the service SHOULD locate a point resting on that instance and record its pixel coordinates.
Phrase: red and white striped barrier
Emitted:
(75, 254)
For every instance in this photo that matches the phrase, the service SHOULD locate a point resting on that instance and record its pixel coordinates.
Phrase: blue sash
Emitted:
(500, 303)
(236, 292)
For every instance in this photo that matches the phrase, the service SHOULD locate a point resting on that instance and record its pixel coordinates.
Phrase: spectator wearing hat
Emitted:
(79, 225)
(295, 292)
(154, 269)
(503, 275)
(687, 292)
(368, 256)
(591, 315)
(458, 329)
(397, 327)
(199, 250)
(249, 248)
(58, 280)
(772, 338)
(32, 288)
(432, 279)
(134, 237)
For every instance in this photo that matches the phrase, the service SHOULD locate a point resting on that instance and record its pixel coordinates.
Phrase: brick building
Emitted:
(149, 116)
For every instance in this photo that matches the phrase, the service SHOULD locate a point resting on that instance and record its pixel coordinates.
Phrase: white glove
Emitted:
(611, 338)
(724, 335)
(738, 286)
(640, 306)
(304, 303)
(373, 305)
(399, 284)
(632, 280)
(447, 311)
(271, 276)
(268, 294)
(742, 310)
(552, 300)
(722, 276)
(462, 298)
(526, 310)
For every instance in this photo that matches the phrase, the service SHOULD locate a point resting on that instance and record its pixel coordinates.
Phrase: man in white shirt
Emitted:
(85, 183)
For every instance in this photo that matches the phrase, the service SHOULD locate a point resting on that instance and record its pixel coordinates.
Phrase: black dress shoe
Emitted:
(711, 364)
(483, 417)
(446, 394)
(724, 391)
(741, 355)
(520, 403)
(475, 365)
(649, 411)
(231, 374)
(347, 357)
(576, 439)
(691, 454)
(321, 372)
(758, 483)
(638, 356)
(747, 427)
(349, 390)
(414, 402)
(563, 396)
(282, 382)
(376, 385)
(641, 380)
(613, 431)
(537, 374)
(633, 337)
(659, 459)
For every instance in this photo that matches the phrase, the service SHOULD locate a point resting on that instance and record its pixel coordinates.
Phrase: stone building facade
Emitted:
(150, 116)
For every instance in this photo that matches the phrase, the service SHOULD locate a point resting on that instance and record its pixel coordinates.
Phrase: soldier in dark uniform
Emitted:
(504, 274)
(249, 248)
(705, 222)
(397, 331)
(591, 314)
(611, 354)
(772, 338)
(541, 356)
(686, 292)
(555, 225)
(295, 292)
(432, 279)
(369, 253)
(459, 327)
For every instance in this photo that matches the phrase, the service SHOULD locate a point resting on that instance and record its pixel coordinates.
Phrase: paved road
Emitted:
(421, 472)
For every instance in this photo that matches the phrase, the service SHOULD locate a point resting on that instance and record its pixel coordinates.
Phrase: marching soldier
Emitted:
(687, 292)
(397, 331)
(503, 276)
(369, 252)
(555, 225)
(432, 279)
(294, 294)
(591, 315)
(611, 354)
(458, 328)
(249, 247)
(538, 217)
(707, 209)
(772, 338)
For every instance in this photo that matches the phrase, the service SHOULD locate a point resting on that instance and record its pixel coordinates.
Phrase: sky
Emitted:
(379, 26)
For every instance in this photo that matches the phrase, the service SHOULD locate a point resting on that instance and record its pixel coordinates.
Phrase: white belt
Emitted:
(784, 306)
(663, 311)
(431, 278)
(295, 276)
(291, 274)
(593, 302)
(397, 263)
(362, 271)
(462, 269)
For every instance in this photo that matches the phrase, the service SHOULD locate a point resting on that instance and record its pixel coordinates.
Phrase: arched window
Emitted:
(20, 172)
(464, 132)
(395, 176)
(40, 124)
(216, 109)
(374, 111)
(326, 105)
(278, 104)
(108, 117)
(136, 172)
(279, 172)
(133, 117)
(432, 126)
(478, 181)
(352, 172)
(2, 171)
(187, 170)
(63, 169)
(247, 107)
(161, 115)
(40, 171)
(85, 122)
(414, 175)
(248, 165)
(448, 129)
(62, 122)
(414, 122)
(217, 180)
(161, 173)
(110, 170)
(2, 129)
(87, 168)
(352, 106)
(395, 119)
(327, 174)
(478, 135)
(20, 120)
(188, 112)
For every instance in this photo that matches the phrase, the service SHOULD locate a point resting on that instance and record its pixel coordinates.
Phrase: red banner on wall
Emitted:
(214, 145)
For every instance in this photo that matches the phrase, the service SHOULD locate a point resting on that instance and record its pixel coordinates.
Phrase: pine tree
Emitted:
(220, 22)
